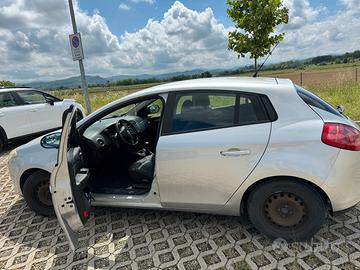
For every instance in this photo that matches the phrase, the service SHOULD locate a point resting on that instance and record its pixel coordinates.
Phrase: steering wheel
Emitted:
(127, 132)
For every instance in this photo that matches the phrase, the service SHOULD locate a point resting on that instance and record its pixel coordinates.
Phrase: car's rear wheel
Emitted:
(37, 193)
(2, 144)
(286, 209)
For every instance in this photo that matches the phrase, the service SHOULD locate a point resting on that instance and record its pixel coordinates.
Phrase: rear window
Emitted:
(314, 101)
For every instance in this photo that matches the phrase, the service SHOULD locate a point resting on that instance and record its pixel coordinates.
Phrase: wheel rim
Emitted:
(285, 210)
(43, 193)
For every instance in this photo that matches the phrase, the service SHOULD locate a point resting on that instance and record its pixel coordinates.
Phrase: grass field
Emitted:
(336, 85)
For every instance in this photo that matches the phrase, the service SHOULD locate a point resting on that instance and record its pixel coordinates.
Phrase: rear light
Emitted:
(341, 136)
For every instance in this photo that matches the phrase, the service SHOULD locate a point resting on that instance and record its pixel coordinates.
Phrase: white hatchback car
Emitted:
(26, 111)
(257, 146)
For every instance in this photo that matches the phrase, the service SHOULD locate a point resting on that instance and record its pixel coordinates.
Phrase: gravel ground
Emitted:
(143, 239)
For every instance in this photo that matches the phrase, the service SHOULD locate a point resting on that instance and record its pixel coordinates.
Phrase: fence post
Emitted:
(301, 79)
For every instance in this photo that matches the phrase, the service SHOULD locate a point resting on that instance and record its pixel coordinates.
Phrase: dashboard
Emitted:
(100, 133)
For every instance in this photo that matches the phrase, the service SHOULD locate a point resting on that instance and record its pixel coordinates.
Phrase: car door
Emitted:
(68, 182)
(210, 143)
(43, 116)
(13, 120)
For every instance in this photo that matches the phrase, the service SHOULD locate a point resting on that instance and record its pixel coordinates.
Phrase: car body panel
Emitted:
(67, 203)
(192, 173)
(294, 149)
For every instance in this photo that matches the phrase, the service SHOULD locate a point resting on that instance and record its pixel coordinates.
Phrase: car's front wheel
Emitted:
(37, 193)
(286, 209)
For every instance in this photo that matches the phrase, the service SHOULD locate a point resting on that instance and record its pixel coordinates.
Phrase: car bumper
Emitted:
(343, 183)
(14, 170)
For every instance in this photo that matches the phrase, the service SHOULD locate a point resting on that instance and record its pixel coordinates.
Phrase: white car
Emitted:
(26, 111)
(257, 146)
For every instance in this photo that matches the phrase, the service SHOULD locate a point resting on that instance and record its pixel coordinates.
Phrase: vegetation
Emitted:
(255, 23)
(6, 84)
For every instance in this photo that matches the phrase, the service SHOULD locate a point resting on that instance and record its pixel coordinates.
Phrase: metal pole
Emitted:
(81, 64)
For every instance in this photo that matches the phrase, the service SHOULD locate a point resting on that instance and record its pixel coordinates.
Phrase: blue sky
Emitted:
(120, 21)
(156, 36)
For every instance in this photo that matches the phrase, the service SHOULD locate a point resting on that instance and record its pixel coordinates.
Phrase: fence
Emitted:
(323, 77)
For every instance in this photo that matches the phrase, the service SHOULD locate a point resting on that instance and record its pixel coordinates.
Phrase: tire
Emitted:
(36, 193)
(2, 144)
(286, 209)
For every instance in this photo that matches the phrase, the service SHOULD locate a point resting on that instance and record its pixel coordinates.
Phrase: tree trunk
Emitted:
(255, 65)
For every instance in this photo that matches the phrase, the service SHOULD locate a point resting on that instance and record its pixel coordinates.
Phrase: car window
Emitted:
(199, 111)
(251, 110)
(7, 100)
(32, 97)
(315, 101)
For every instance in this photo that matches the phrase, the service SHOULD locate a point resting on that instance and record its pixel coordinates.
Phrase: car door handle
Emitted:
(235, 152)
(2, 114)
(33, 110)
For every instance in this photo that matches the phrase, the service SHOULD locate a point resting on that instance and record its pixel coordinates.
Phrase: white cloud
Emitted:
(151, 2)
(34, 40)
(123, 6)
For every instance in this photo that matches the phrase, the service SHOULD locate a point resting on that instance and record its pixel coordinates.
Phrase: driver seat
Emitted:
(142, 171)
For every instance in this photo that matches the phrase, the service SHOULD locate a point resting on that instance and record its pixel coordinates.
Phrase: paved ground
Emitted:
(137, 239)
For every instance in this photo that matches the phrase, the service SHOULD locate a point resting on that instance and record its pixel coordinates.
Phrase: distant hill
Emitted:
(75, 82)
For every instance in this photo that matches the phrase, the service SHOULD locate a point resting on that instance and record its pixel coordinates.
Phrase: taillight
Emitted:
(341, 136)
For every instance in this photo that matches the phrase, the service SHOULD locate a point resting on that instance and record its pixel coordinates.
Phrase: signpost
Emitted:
(78, 55)
(76, 47)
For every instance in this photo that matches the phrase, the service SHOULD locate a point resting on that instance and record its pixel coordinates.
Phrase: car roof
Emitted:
(251, 84)
(7, 89)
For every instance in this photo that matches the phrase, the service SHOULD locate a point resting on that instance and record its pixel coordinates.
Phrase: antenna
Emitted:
(256, 73)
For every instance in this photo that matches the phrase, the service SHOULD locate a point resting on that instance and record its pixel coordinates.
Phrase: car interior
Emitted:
(119, 149)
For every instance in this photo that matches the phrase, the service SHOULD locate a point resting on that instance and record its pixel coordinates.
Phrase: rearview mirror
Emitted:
(153, 109)
(51, 140)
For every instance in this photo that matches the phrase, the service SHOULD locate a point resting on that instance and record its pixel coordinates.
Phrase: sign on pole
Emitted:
(76, 47)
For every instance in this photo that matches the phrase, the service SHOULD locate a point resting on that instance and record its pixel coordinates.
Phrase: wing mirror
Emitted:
(51, 140)
(50, 102)
(341, 109)
(153, 109)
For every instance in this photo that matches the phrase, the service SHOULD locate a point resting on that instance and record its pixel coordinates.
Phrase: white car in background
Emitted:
(260, 147)
(26, 111)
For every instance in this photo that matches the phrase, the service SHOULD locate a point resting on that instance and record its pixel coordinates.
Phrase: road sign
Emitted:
(76, 47)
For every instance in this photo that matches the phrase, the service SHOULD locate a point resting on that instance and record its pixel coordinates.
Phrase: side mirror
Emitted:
(341, 109)
(153, 109)
(51, 140)
(50, 102)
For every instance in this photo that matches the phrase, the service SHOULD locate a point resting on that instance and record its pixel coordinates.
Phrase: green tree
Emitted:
(256, 22)
(6, 84)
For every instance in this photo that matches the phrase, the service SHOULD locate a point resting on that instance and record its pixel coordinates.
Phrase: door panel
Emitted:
(13, 119)
(68, 182)
(201, 170)
(43, 116)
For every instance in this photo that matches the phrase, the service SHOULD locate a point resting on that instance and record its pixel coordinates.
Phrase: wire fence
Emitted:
(334, 77)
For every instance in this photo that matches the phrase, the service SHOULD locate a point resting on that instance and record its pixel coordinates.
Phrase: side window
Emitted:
(31, 97)
(251, 110)
(199, 111)
(7, 100)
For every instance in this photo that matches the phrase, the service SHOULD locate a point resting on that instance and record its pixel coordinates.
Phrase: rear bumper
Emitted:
(343, 183)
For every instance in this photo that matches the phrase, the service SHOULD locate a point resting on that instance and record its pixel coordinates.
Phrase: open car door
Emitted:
(69, 180)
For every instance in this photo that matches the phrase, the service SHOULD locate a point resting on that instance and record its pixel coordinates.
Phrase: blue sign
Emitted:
(75, 41)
